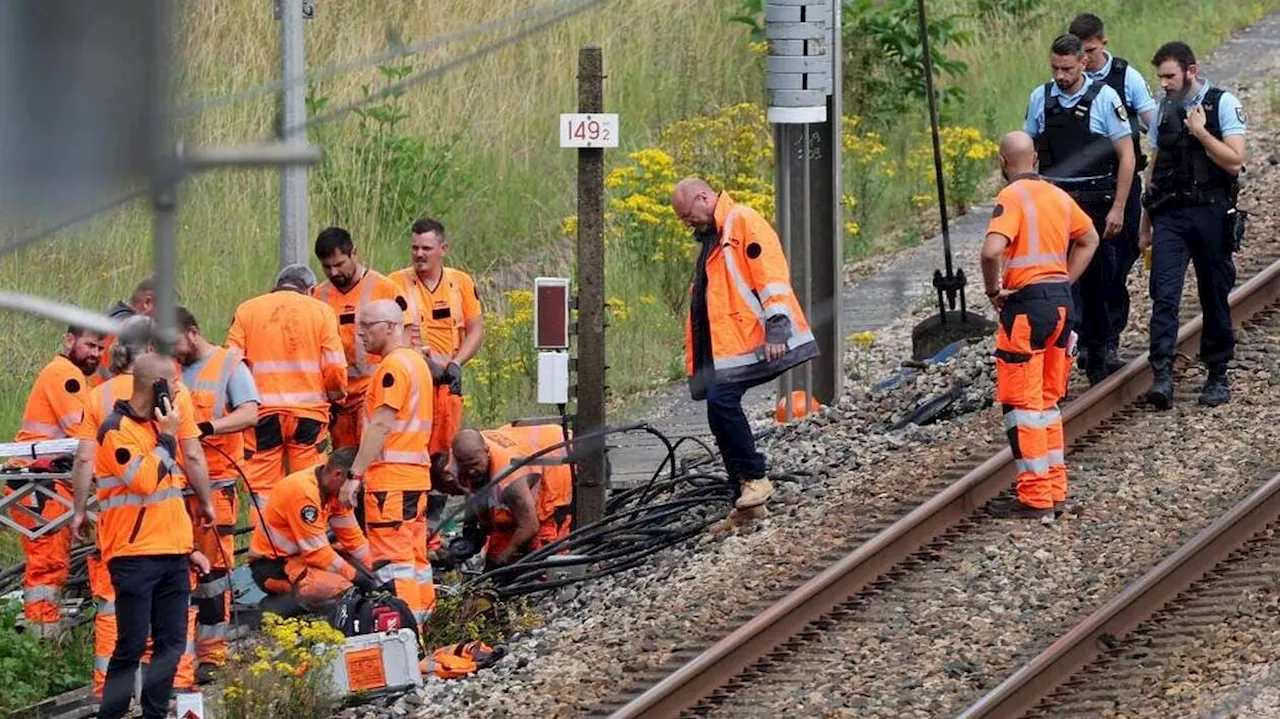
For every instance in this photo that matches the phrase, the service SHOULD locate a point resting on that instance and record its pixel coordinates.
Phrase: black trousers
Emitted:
(1196, 234)
(1126, 254)
(1092, 293)
(152, 595)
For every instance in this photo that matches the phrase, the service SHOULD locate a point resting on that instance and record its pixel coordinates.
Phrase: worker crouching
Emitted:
(290, 553)
(519, 507)
(1044, 241)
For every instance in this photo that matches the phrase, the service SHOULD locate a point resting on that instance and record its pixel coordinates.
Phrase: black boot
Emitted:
(1111, 361)
(1095, 367)
(1216, 388)
(1161, 393)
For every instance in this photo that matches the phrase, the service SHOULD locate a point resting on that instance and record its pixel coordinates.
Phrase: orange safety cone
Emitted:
(799, 407)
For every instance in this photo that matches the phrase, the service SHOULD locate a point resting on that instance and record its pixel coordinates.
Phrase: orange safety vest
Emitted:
(441, 326)
(103, 398)
(551, 488)
(298, 520)
(141, 510)
(1040, 220)
(402, 381)
(56, 402)
(748, 282)
(371, 286)
(290, 342)
(209, 397)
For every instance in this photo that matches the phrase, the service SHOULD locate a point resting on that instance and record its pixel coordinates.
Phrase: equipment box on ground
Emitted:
(371, 662)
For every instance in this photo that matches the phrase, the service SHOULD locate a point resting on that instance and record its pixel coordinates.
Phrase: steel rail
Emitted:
(1137, 602)
(721, 662)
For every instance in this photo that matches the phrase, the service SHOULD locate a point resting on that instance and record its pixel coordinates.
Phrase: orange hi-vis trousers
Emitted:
(105, 632)
(279, 445)
(312, 587)
(396, 525)
(212, 594)
(1031, 376)
(48, 558)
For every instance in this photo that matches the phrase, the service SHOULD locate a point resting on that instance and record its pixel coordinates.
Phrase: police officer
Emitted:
(1101, 66)
(1197, 144)
(1082, 135)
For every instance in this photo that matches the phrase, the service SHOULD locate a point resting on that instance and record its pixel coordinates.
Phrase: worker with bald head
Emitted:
(1039, 242)
(744, 327)
(391, 474)
(145, 536)
(519, 507)
(291, 343)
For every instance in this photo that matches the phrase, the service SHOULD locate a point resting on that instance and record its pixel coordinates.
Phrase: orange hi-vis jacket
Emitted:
(1040, 220)
(371, 286)
(209, 395)
(290, 341)
(402, 383)
(749, 300)
(551, 485)
(103, 399)
(298, 519)
(56, 402)
(441, 315)
(141, 510)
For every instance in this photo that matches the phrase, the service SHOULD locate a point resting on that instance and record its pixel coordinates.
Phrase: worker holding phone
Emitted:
(146, 537)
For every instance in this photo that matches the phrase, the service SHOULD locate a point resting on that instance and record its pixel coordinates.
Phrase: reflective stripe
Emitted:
(166, 458)
(336, 565)
(394, 457)
(138, 500)
(313, 543)
(106, 608)
(292, 398)
(354, 372)
(282, 545)
(331, 358)
(1034, 466)
(750, 358)
(774, 289)
(274, 366)
(1037, 259)
(390, 572)
(343, 521)
(1033, 257)
(422, 617)
(209, 590)
(363, 555)
(744, 290)
(424, 575)
(100, 663)
(1057, 458)
(1030, 418)
(70, 419)
(413, 424)
(221, 483)
(191, 646)
(38, 593)
(205, 632)
(110, 482)
(52, 430)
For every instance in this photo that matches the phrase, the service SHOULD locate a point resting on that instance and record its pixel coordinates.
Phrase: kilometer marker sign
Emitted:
(581, 129)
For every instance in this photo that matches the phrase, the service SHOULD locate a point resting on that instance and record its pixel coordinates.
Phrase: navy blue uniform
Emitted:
(1190, 204)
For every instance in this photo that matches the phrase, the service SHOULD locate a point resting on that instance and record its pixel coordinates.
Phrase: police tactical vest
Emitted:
(1067, 147)
(1183, 167)
(1115, 79)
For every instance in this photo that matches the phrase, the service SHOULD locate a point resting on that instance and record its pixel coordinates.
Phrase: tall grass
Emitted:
(507, 184)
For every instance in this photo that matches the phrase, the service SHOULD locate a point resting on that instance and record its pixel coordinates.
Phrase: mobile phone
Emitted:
(161, 388)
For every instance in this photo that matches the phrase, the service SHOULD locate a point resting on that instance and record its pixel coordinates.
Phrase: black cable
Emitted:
(442, 68)
(195, 107)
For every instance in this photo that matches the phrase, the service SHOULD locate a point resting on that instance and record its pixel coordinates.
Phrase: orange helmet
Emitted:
(799, 406)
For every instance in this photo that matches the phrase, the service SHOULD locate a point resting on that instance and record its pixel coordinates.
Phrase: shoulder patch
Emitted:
(1121, 113)
(402, 303)
(1240, 114)
(388, 380)
(309, 514)
(753, 250)
(122, 455)
(73, 385)
(997, 210)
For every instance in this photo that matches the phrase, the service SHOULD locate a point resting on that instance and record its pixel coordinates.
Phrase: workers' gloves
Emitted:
(366, 583)
(452, 376)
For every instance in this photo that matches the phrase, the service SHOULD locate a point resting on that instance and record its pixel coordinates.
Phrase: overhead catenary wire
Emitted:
(445, 67)
(193, 107)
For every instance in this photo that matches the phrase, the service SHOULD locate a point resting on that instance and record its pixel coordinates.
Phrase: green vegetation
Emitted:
(477, 147)
(32, 669)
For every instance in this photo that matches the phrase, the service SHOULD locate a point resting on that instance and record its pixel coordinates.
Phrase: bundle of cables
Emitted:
(679, 501)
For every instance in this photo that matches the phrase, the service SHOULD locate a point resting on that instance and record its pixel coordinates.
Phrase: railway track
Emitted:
(781, 648)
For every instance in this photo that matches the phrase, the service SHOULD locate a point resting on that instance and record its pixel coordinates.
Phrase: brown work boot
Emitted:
(755, 492)
(737, 517)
